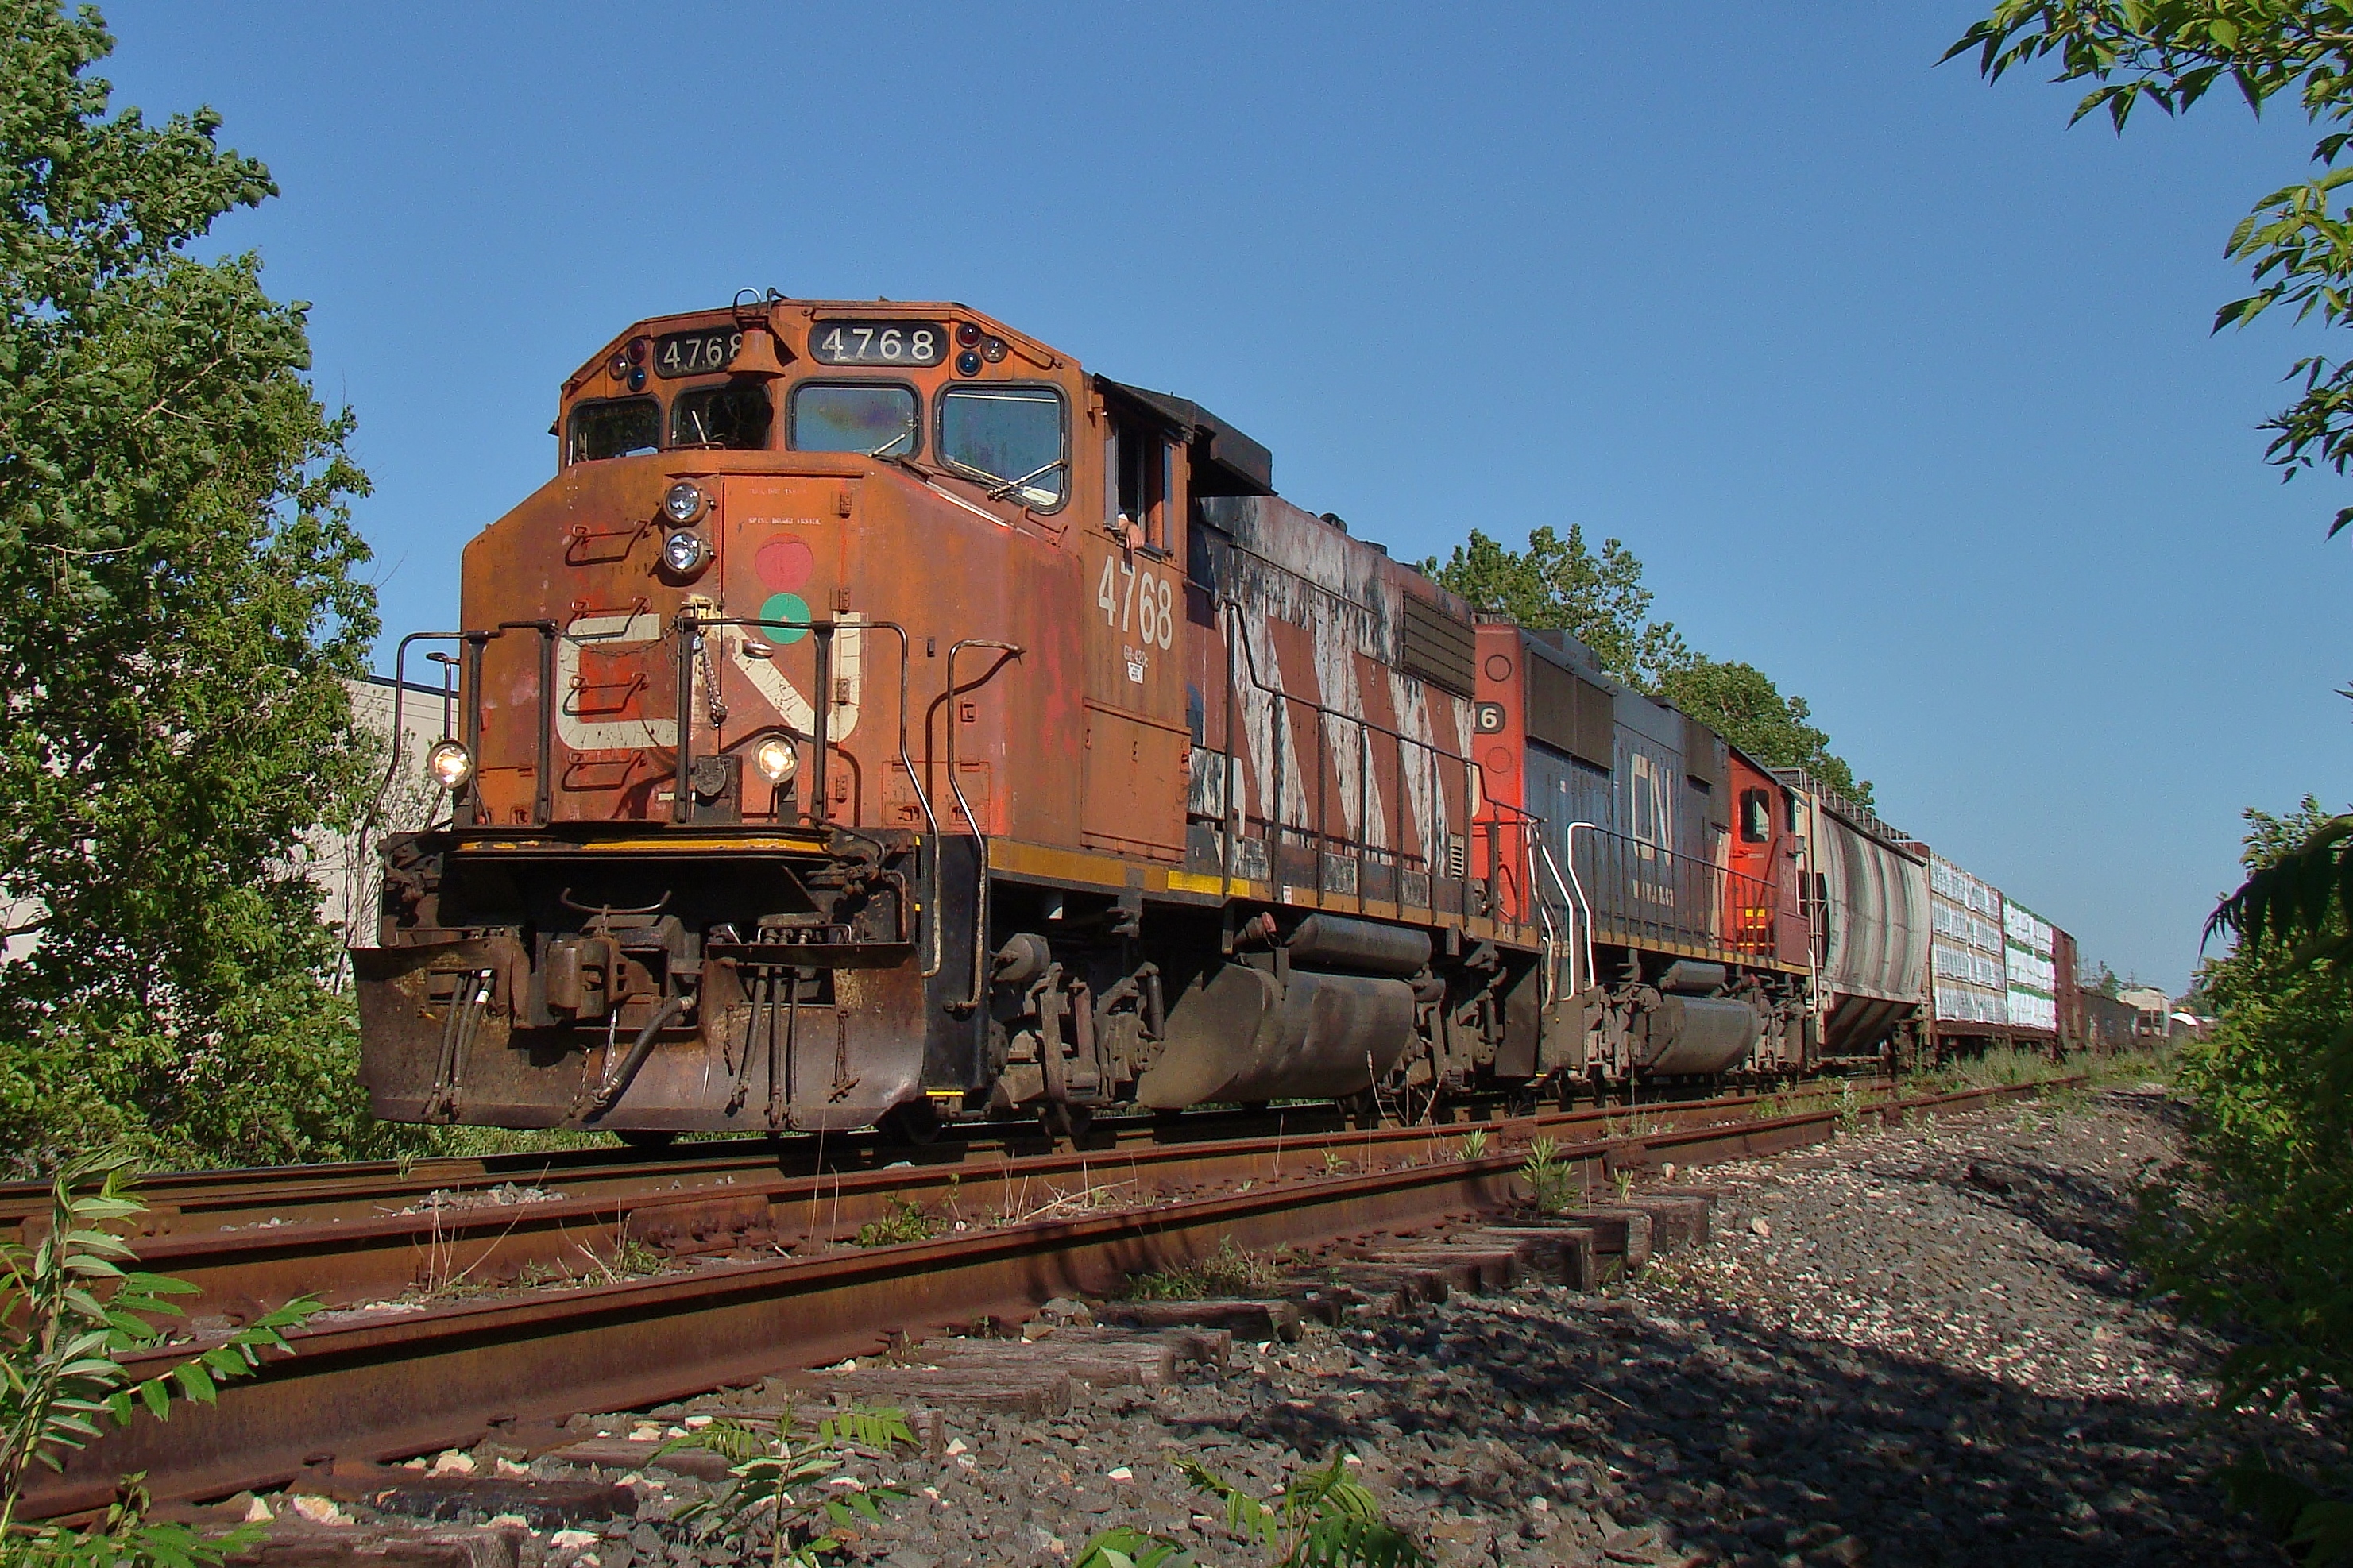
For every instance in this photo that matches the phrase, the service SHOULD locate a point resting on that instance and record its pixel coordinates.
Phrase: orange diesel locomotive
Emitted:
(880, 718)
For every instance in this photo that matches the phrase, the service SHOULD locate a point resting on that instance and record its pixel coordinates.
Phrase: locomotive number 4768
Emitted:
(1130, 597)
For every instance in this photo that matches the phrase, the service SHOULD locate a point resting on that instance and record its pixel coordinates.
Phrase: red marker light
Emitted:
(968, 334)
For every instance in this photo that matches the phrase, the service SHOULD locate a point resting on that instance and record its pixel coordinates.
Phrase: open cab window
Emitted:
(1139, 463)
(1755, 816)
(1010, 438)
(733, 417)
(613, 427)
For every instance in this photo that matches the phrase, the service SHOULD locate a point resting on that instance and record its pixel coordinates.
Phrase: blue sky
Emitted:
(1902, 389)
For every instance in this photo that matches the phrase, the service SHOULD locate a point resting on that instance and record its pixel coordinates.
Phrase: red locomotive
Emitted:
(878, 717)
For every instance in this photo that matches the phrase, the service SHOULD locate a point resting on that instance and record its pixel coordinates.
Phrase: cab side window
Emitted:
(1138, 467)
(1755, 816)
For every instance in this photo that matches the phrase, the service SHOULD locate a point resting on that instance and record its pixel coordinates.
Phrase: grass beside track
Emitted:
(2003, 1068)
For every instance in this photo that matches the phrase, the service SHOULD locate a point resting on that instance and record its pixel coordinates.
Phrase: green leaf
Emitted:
(194, 1383)
(2325, 1529)
(1126, 1547)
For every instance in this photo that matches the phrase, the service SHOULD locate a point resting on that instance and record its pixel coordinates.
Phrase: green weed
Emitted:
(907, 1221)
(1554, 1182)
(787, 1484)
(1320, 1518)
(70, 1315)
(1227, 1272)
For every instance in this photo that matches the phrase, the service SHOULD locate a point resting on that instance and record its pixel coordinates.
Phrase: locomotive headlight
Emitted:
(777, 758)
(685, 502)
(684, 552)
(450, 764)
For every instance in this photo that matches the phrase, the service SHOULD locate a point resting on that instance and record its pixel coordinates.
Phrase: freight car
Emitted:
(880, 718)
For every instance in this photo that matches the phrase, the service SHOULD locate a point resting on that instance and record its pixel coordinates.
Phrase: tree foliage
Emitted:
(178, 611)
(2297, 242)
(1741, 703)
(2257, 1231)
(1559, 581)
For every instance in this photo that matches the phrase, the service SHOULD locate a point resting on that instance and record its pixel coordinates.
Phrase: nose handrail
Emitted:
(690, 629)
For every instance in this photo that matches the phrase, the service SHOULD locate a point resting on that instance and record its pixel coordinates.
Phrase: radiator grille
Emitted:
(1569, 713)
(1438, 648)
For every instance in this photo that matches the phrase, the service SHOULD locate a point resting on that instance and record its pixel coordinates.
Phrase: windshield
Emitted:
(617, 427)
(1008, 436)
(873, 417)
(735, 417)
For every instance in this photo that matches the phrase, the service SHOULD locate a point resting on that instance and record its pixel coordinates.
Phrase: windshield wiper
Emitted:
(906, 434)
(1010, 486)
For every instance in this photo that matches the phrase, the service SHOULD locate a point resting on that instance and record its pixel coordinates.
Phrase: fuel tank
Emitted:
(1238, 1034)
(1695, 1034)
(1335, 941)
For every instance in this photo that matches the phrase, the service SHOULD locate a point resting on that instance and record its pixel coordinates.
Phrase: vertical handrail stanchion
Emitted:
(476, 642)
(821, 709)
(544, 798)
(1235, 821)
(1469, 826)
(1322, 801)
(681, 787)
(1364, 810)
(1279, 729)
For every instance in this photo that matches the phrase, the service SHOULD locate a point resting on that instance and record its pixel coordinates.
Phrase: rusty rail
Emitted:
(399, 1383)
(187, 1200)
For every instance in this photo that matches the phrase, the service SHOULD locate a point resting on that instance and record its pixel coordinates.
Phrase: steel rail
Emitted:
(437, 1252)
(212, 1200)
(395, 1385)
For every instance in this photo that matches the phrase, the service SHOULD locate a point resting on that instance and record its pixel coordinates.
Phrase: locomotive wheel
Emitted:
(910, 1123)
(1070, 1121)
(648, 1139)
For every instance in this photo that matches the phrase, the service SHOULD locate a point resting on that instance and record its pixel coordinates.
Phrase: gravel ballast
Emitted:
(1920, 1344)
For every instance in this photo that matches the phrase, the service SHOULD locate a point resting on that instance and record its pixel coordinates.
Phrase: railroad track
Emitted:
(764, 1286)
(182, 1201)
(368, 1233)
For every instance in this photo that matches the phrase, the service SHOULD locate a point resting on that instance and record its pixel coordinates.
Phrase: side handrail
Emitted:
(1577, 901)
(400, 691)
(1239, 626)
(979, 837)
(1660, 893)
